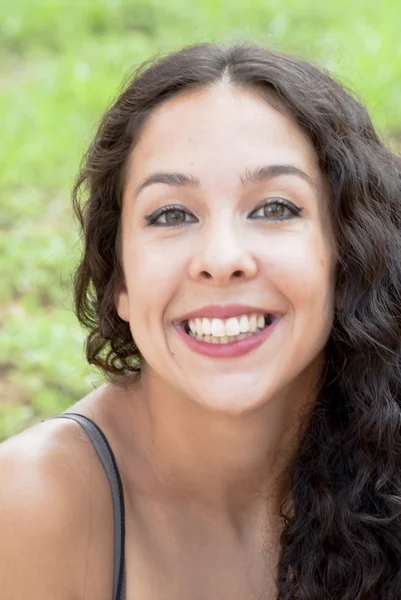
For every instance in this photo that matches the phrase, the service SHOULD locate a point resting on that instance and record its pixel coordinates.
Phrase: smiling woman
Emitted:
(240, 281)
(248, 226)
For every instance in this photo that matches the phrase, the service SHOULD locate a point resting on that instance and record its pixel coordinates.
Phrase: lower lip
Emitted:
(231, 349)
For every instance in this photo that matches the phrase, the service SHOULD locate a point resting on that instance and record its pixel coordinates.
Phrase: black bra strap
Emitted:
(108, 461)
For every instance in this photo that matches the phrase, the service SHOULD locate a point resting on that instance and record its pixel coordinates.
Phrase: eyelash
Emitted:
(152, 218)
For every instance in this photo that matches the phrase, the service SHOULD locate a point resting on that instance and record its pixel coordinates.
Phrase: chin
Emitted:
(231, 403)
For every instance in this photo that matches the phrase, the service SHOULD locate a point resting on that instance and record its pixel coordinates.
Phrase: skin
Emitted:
(232, 412)
(201, 443)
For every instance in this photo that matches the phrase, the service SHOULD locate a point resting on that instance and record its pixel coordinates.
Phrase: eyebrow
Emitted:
(271, 171)
(257, 175)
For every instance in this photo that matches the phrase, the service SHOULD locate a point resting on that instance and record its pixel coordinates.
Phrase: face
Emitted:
(224, 205)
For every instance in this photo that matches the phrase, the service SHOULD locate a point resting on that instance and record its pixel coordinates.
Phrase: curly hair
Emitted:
(342, 537)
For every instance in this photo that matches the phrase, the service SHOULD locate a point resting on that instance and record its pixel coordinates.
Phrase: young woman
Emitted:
(241, 283)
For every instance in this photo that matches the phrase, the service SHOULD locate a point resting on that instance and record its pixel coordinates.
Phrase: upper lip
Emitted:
(217, 311)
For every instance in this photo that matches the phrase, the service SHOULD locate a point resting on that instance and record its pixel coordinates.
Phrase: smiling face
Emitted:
(224, 204)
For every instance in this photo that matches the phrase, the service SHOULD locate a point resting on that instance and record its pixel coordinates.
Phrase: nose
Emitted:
(222, 256)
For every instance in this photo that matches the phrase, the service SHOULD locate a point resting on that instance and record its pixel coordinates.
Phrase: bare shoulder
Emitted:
(52, 494)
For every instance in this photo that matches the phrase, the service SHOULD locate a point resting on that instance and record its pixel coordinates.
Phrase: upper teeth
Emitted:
(229, 327)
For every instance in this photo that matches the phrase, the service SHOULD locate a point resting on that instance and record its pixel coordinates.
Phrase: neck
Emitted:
(221, 463)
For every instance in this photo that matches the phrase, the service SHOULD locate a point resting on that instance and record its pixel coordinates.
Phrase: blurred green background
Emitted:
(61, 64)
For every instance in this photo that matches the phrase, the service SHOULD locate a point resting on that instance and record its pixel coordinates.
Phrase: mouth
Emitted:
(215, 331)
(230, 339)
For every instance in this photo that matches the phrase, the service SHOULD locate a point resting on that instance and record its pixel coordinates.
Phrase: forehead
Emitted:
(219, 130)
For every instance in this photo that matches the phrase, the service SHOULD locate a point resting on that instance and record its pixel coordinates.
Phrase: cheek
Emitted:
(302, 270)
(152, 273)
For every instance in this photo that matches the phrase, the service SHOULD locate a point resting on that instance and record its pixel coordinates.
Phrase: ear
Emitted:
(121, 301)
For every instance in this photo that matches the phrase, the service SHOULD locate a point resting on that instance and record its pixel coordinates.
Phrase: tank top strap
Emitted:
(109, 463)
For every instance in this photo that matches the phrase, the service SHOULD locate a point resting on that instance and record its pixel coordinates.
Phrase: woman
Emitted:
(241, 282)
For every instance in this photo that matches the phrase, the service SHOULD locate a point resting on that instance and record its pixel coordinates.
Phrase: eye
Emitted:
(277, 210)
(170, 216)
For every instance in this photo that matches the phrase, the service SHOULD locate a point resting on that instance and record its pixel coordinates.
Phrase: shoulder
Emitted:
(49, 479)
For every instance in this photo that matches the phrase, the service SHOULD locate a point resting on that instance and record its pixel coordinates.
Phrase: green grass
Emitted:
(61, 64)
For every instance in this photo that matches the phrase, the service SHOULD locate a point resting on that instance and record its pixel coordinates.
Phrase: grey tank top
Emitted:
(108, 461)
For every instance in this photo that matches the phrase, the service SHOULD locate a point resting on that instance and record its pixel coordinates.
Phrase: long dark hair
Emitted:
(342, 537)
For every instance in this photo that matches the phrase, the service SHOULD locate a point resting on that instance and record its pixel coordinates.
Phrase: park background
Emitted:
(62, 63)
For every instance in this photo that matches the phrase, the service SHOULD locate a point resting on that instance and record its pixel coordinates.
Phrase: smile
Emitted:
(216, 343)
(219, 331)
